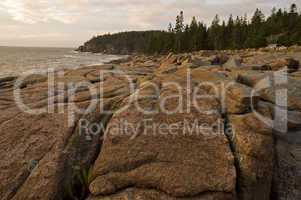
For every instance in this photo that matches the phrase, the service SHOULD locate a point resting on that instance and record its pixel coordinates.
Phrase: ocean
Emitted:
(17, 60)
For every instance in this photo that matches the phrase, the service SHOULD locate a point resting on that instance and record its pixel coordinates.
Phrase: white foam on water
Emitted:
(17, 60)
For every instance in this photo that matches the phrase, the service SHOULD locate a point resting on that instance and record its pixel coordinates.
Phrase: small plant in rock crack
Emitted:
(78, 187)
(85, 178)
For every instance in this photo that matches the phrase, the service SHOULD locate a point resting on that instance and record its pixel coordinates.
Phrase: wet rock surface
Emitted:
(222, 142)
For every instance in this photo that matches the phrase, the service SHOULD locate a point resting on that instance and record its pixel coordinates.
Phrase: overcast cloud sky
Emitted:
(69, 23)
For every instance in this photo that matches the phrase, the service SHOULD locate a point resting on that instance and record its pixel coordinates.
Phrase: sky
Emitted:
(69, 23)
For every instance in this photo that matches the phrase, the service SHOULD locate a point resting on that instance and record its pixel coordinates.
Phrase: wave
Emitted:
(69, 56)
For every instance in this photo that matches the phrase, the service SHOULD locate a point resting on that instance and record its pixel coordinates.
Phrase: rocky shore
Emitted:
(48, 149)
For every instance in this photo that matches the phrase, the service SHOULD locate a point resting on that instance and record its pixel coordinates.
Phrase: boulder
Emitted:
(293, 89)
(171, 59)
(233, 62)
(149, 194)
(291, 64)
(287, 164)
(42, 154)
(195, 62)
(293, 117)
(252, 142)
(178, 162)
(219, 59)
(287, 176)
(267, 85)
(251, 77)
(240, 99)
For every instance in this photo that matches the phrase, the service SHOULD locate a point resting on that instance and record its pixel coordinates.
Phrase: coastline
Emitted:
(18, 60)
(51, 143)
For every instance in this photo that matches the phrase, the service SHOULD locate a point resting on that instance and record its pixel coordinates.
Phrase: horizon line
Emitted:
(38, 46)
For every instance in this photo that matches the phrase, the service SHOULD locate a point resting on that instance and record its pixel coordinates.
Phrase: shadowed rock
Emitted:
(253, 146)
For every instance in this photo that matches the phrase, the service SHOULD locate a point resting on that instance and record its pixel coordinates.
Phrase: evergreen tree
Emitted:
(293, 9)
(202, 41)
(281, 27)
(229, 34)
(257, 36)
(237, 34)
(194, 33)
(215, 34)
(179, 27)
(170, 28)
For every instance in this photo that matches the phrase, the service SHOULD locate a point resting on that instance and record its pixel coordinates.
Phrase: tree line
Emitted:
(281, 27)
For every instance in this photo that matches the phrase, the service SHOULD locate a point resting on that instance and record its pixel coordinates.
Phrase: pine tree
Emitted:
(193, 34)
(179, 27)
(237, 34)
(293, 25)
(214, 34)
(298, 27)
(293, 8)
(258, 18)
(229, 34)
(202, 41)
(256, 36)
(170, 28)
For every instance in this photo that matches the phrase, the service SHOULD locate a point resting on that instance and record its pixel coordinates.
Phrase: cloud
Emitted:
(29, 11)
(78, 20)
(134, 12)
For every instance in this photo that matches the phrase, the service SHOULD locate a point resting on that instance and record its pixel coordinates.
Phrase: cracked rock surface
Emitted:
(221, 147)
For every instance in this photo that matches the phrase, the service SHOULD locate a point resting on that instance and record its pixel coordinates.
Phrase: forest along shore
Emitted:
(56, 154)
(281, 28)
